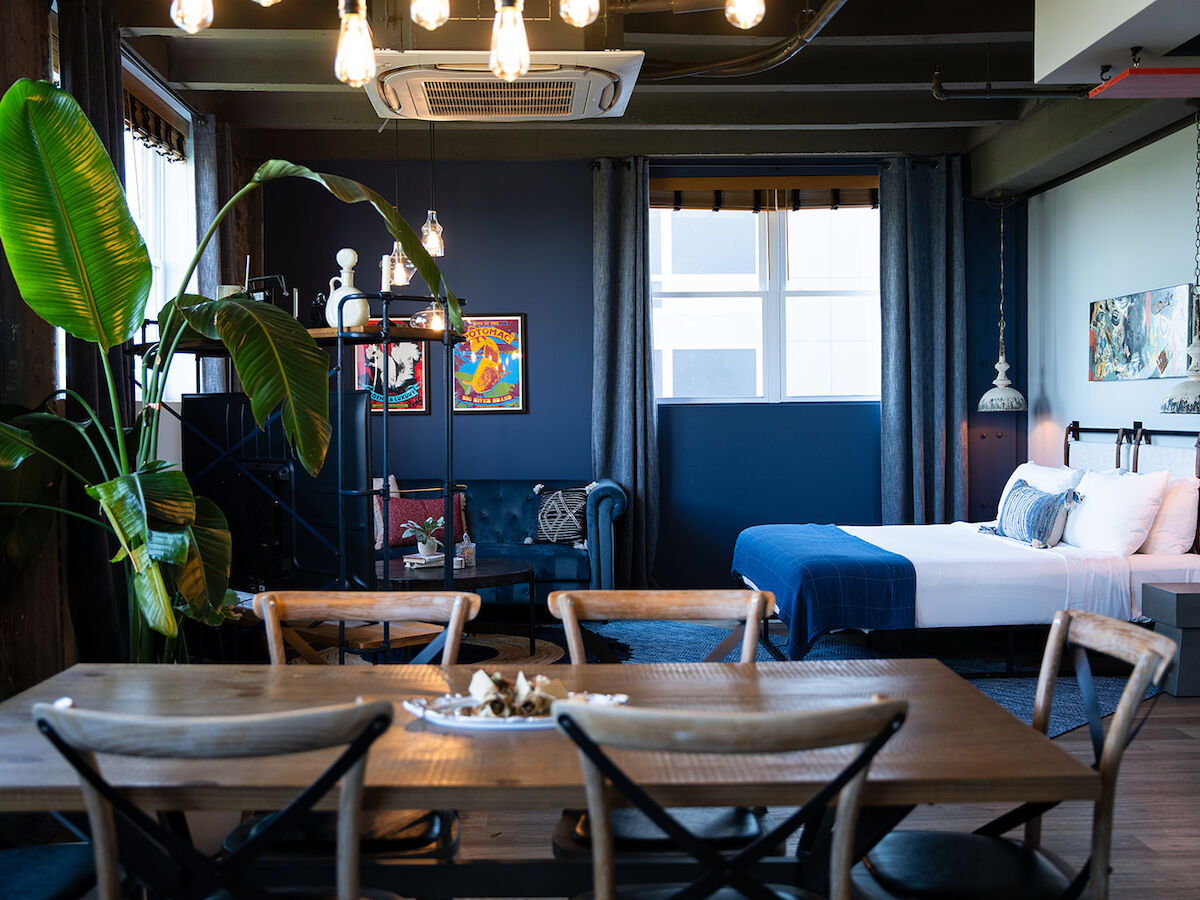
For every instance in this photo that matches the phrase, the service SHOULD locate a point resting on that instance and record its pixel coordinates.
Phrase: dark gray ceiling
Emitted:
(861, 87)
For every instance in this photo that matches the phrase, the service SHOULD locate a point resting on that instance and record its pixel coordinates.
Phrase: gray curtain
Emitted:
(624, 416)
(90, 52)
(923, 293)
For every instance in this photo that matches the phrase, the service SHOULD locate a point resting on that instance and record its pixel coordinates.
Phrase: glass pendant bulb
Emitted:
(509, 58)
(745, 13)
(266, 2)
(430, 318)
(402, 266)
(355, 61)
(431, 235)
(192, 15)
(579, 13)
(429, 14)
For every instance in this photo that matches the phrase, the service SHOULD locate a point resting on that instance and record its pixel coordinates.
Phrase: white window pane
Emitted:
(809, 318)
(808, 369)
(833, 250)
(853, 318)
(855, 368)
(708, 346)
(699, 250)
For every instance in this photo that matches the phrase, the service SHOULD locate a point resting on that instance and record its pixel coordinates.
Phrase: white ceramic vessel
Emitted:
(356, 312)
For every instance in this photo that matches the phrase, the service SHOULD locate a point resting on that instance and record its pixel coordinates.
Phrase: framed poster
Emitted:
(403, 364)
(489, 365)
(1142, 335)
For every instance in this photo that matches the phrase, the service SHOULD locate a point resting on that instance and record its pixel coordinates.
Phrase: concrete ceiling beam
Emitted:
(1059, 137)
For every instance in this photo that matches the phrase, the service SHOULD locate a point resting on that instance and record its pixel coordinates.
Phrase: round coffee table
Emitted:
(485, 573)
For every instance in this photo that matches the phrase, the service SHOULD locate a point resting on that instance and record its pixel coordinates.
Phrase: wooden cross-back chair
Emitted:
(985, 865)
(750, 607)
(867, 726)
(276, 608)
(124, 835)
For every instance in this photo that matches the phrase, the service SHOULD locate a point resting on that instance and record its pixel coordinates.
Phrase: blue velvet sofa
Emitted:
(502, 513)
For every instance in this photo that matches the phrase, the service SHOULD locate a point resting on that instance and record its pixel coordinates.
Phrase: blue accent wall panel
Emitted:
(726, 467)
(518, 240)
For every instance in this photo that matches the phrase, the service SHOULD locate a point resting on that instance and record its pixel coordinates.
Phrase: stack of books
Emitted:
(420, 561)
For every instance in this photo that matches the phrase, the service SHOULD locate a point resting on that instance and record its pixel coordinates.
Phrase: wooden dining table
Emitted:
(957, 745)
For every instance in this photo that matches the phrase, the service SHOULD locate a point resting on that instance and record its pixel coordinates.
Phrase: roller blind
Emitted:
(757, 194)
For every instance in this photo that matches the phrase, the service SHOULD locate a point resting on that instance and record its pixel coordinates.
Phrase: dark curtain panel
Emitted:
(624, 416)
(90, 52)
(924, 297)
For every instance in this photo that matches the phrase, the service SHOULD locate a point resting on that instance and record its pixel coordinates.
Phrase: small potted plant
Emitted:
(427, 544)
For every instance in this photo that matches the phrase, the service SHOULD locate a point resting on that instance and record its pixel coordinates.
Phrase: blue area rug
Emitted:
(654, 642)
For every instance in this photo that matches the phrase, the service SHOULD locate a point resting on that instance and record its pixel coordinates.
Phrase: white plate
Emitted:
(444, 711)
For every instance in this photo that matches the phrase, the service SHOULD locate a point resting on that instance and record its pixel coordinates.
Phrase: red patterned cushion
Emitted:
(402, 509)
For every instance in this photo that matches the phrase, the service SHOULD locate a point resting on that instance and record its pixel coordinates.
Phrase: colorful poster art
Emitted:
(489, 365)
(402, 363)
(1142, 335)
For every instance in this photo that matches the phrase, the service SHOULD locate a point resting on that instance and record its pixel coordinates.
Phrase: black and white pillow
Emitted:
(562, 516)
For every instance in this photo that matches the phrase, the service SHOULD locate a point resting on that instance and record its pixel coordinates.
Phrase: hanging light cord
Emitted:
(432, 205)
(1002, 281)
(1196, 275)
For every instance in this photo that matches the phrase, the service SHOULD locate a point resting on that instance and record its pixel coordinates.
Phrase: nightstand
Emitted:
(1175, 609)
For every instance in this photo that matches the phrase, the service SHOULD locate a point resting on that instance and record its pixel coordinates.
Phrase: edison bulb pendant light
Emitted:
(509, 58)
(431, 235)
(429, 14)
(579, 13)
(355, 61)
(266, 2)
(192, 15)
(430, 318)
(745, 13)
(402, 266)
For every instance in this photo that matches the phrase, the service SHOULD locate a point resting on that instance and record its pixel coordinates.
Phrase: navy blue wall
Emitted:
(518, 240)
(728, 466)
(997, 442)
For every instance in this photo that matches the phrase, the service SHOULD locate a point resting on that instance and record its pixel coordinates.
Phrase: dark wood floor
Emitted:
(1156, 842)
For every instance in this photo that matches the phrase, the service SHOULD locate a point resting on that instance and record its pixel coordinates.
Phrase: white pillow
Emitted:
(1174, 528)
(1048, 479)
(1114, 512)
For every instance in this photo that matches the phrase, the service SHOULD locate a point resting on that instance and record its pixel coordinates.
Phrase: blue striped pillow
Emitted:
(1032, 516)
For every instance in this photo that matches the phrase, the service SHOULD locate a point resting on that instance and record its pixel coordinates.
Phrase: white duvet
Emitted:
(967, 578)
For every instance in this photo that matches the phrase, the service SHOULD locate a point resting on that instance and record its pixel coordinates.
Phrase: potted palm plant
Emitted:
(81, 264)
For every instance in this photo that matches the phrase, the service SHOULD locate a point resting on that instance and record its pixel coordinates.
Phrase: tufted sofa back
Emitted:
(502, 511)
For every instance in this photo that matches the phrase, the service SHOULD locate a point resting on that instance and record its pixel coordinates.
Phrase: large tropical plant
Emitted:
(81, 264)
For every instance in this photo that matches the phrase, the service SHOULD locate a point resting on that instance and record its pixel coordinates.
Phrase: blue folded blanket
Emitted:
(824, 578)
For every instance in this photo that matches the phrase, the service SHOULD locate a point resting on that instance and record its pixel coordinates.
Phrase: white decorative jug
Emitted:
(356, 312)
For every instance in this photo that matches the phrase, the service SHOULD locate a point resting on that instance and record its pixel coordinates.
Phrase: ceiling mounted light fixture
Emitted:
(745, 13)
(431, 231)
(355, 61)
(579, 13)
(192, 15)
(1003, 397)
(429, 14)
(509, 58)
(401, 267)
(1185, 396)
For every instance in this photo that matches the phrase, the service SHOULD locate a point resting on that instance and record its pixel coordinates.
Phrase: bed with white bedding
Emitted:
(965, 577)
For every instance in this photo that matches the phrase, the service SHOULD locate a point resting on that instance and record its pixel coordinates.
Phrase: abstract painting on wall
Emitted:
(1142, 335)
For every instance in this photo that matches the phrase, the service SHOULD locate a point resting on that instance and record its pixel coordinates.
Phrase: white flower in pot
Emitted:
(427, 544)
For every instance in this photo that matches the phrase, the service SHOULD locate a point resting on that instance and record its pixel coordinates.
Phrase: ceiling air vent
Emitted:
(457, 86)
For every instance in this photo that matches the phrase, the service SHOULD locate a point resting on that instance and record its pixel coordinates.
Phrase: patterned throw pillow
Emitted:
(1032, 516)
(562, 516)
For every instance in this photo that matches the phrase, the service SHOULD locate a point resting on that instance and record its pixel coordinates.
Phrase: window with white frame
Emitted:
(161, 193)
(769, 306)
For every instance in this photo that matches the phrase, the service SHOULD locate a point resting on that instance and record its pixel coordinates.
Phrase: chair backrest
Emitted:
(1150, 654)
(574, 607)
(453, 608)
(79, 734)
(866, 725)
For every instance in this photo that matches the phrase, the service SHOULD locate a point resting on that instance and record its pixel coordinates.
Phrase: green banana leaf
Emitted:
(75, 251)
(203, 578)
(278, 362)
(349, 191)
(153, 599)
(16, 446)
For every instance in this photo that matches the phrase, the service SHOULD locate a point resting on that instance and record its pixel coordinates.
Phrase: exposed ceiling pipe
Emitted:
(749, 64)
(991, 93)
(634, 7)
